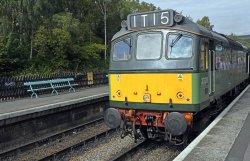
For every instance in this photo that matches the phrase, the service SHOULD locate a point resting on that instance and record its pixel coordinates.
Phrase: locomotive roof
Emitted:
(138, 22)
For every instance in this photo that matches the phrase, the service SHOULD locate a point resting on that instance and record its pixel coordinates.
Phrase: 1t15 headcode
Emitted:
(151, 19)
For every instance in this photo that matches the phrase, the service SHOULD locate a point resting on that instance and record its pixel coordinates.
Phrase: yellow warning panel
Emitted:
(152, 87)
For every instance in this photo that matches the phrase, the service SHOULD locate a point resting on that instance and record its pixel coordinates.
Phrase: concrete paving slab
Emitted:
(241, 144)
(227, 139)
(25, 106)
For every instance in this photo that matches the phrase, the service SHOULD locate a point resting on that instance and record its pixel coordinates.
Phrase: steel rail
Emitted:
(34, 144)
(123, 155)
(83, 143)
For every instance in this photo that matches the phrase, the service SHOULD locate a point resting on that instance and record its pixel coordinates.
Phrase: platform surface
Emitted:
(25, 106)
(228, 139)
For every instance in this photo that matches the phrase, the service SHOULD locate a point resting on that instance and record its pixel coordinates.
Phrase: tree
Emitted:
(52, 48)
(2, 53)
(38, 36)
(205, 22)
(245, 42)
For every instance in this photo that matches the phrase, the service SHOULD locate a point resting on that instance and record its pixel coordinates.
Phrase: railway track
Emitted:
(24, 152)
(143, 150)
(147, 150)
(83, 143)
(128, 152)
(116, 149)
(131, 152)
(155, 151)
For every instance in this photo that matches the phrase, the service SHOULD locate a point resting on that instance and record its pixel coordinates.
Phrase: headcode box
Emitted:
(151, 19)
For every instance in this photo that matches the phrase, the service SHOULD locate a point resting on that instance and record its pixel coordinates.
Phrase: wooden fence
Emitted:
(12, 87)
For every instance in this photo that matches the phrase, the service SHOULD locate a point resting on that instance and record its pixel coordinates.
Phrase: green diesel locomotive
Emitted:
(164, 69)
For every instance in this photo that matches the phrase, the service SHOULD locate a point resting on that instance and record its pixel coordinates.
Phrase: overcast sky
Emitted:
(227, 16)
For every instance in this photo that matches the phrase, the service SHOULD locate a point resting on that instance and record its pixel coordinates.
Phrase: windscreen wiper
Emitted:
(177, 38)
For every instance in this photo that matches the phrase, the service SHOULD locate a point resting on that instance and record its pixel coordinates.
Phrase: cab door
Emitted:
(247, 63)
(211, 68)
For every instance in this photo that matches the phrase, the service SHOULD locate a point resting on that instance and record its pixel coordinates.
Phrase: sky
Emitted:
(227, 16)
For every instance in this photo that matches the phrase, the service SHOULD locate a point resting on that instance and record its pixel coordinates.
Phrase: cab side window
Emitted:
(220, 59)
(122, 50)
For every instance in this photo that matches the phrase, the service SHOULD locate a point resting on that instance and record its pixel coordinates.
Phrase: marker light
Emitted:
(118, 93)
(180, 95)
(178, 18)
(146, 98)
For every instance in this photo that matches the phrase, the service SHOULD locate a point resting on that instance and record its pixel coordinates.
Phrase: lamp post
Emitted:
(102, 4)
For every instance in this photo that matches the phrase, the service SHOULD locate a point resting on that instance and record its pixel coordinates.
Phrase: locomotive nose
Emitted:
(112, 118)
(175, 123)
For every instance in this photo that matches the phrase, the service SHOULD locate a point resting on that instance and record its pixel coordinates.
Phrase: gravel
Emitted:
(101, 150)
(59, 144)
(156, 151)
(106, 150)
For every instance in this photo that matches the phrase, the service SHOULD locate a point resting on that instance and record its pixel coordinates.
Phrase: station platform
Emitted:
(11, 109)
(227, 138)
(24, 121)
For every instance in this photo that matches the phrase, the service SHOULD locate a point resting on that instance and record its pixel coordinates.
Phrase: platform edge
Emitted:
(196, 141)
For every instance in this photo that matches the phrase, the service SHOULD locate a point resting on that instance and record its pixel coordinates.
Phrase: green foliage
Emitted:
(87, 57)
(92, 51)
(41, 42)
(45, 36)
(67, 22)
(14, 56)
(245, 42)
(52, 47)
(205, 22)
(3, 53)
